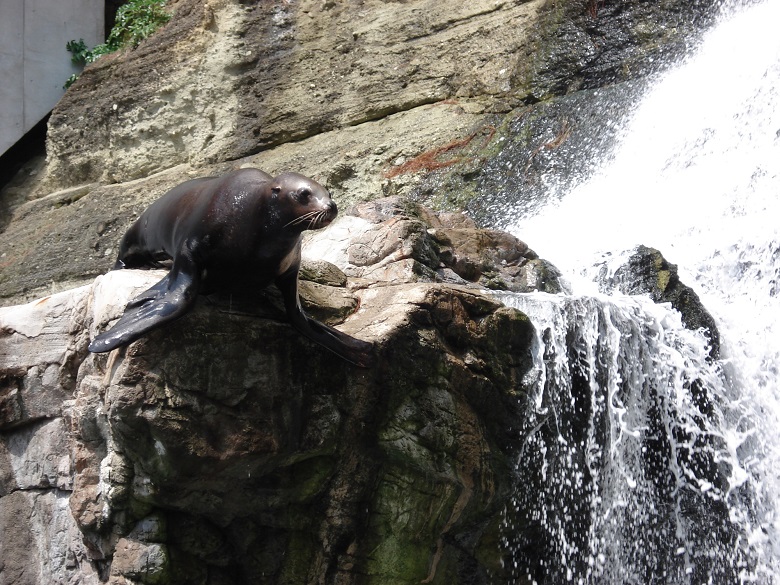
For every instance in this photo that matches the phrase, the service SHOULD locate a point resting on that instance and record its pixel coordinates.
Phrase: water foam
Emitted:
(697, 175)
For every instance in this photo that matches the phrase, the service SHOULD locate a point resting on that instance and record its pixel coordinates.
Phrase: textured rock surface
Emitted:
(39, 343)
(269, 73)
(225, 448)
(390, 240)
(424, 99)
(228, 449)
(646, 271)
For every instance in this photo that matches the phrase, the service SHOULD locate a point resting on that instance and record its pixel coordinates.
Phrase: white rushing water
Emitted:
(697, 176)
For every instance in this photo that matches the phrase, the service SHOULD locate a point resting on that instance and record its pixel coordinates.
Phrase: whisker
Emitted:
(302, 218)
(320, 218)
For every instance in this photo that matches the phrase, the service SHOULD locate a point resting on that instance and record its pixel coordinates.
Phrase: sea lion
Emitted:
(237, 232)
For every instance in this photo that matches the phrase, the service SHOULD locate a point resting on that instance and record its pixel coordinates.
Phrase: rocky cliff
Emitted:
(435, 101)
(226, 449)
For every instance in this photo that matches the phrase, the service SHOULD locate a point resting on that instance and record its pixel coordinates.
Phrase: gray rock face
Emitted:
(226, 448)
(38, 351)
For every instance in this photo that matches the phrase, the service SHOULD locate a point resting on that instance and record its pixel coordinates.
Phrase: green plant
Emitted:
(79, 52)
(135, 20)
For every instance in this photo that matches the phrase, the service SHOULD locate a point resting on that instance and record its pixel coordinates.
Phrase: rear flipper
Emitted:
(353, 350)
(162, 303)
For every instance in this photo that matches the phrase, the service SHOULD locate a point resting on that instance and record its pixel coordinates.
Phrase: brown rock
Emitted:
(236, 425)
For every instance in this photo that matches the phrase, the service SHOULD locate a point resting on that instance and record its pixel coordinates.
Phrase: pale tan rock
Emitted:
(136, 561)
(223, 79)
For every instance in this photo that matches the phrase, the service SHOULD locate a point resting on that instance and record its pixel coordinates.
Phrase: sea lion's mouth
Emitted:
(322, 219)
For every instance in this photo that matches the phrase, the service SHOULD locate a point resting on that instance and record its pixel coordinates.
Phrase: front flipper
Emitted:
(353, 350)
(166, 301)
(152, 293)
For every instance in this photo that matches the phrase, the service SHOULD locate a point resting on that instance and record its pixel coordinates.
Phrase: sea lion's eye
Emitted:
(304, 195)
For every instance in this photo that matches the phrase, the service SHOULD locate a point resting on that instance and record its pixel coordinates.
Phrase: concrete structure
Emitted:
(34, 63)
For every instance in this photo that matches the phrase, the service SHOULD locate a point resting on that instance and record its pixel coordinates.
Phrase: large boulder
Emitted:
(227, 448)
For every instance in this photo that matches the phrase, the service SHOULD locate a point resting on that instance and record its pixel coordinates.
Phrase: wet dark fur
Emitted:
(238, 232)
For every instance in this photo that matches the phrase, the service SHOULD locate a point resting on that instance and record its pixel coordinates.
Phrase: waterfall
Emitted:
(644, 461)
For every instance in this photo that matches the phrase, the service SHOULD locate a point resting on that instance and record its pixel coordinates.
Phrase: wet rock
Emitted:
(646, 271)
(206, 449)
(226, 444)
(597, 43)
(536, 153)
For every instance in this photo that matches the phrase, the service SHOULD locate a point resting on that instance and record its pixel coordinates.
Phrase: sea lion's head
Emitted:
(306, 202)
